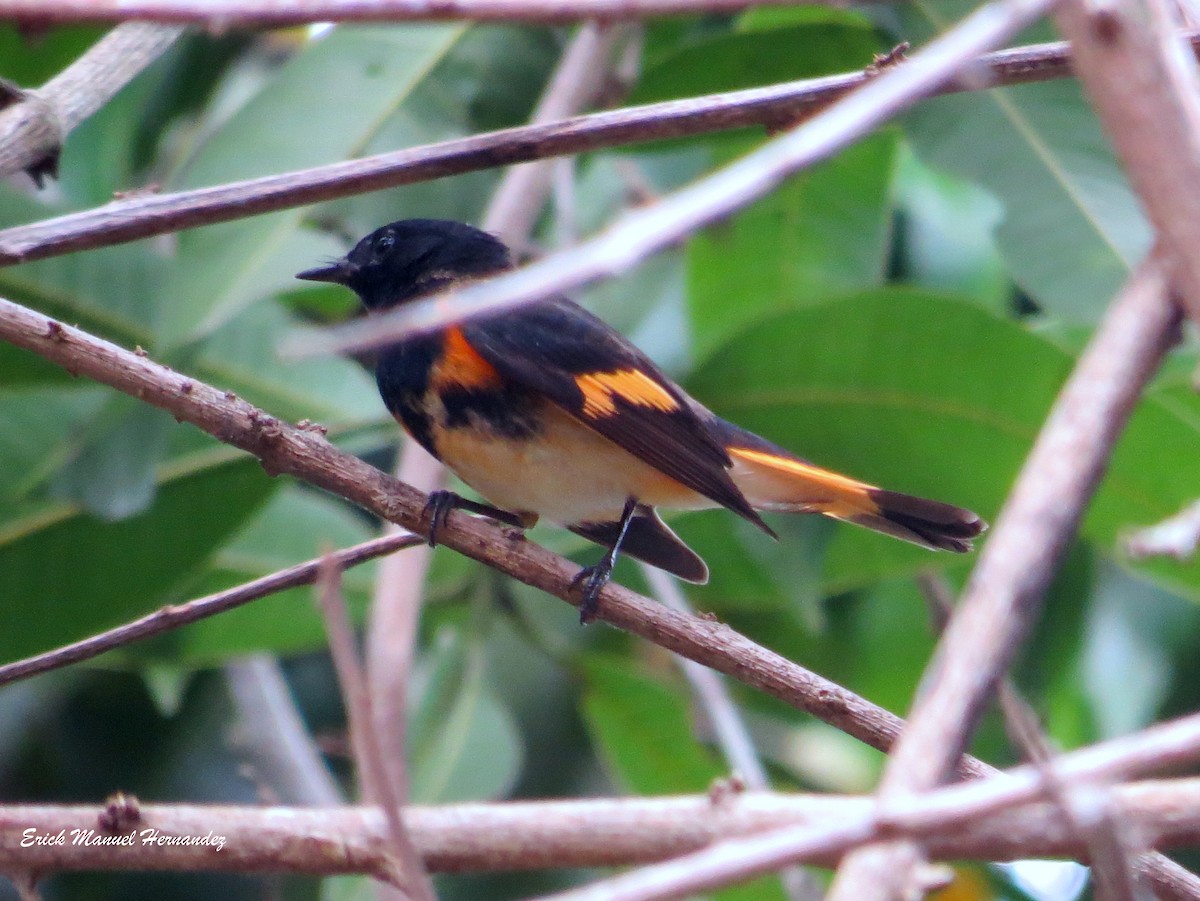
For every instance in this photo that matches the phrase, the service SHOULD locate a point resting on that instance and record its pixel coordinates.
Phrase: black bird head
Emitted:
(411, 258)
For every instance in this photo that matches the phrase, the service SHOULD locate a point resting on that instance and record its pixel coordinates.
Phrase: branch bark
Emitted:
(1146, 98)
(33, 130)
(528, 835)
(221, 15)
(140, 217)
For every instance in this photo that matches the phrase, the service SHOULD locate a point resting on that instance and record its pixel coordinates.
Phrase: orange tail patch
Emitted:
(786, 484)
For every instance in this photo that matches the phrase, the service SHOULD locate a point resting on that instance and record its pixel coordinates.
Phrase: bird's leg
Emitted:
(592, 579)
(440, 503)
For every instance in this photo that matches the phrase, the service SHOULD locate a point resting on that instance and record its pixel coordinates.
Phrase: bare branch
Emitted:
(732, 734)
(221, 15)
(176, 615)
(1005, 590)
(392, 628)
(288, 768)
(605, 832)
(641, 233)
(408, 869)
(139, 217)
(1176, 536)
(33, 130)
(731, 861)
(1146, 98)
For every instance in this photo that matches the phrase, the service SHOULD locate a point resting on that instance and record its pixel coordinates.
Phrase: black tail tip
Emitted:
(932, 523)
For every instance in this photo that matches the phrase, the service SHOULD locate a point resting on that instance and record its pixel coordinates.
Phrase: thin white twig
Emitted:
(271, 729)
(410, 875)
(732, 734)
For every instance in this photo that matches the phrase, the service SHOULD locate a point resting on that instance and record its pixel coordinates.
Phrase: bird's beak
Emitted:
(339, 273)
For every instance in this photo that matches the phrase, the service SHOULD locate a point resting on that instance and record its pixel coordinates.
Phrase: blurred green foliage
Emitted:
(905, 312)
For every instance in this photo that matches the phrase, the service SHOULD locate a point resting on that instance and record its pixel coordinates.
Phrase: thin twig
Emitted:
(1089, 810)
(221, 15)
(143, 216)
(640, 233)
(521, 194)
(732, 734)
(1177, 536)
(176, 615)
(410, 875)
(1005, 590)
(285, 759)
(392, 628)
(33, 130)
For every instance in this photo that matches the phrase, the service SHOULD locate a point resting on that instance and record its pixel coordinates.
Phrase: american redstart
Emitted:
(546, 411)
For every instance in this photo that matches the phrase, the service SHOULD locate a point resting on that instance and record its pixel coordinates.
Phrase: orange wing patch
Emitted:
(601, 390)
(461, 364)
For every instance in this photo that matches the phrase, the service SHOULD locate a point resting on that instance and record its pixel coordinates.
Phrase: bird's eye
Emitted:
(384, 242)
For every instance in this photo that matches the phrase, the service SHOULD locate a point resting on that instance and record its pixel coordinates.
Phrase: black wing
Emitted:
(585, 367)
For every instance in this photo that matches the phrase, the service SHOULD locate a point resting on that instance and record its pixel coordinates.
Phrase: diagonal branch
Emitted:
(1145, 92)
(406, 867)
(1005, 590)
(140, 217)
(33, 129)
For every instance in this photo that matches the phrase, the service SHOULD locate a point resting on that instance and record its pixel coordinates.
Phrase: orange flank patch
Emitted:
(461, 364)
(601, 390)
(772, 481)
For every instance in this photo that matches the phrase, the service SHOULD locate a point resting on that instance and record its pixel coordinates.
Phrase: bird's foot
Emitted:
(440, 503)
(590, 582)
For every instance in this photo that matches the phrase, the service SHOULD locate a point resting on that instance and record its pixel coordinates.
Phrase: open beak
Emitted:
(338, 273)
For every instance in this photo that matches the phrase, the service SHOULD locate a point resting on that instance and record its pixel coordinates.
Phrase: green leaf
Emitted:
(1132, 631)
(937, 398)
(243, 356)
(29, 59)
(732, 60)
(112, 473)
(290, 124)
(1072, 228)
(946, 240)
(465, 746)
(67, 575)
(824, 232)
(37, 429)
(295, 525)
(643, 729)
(490, 78)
